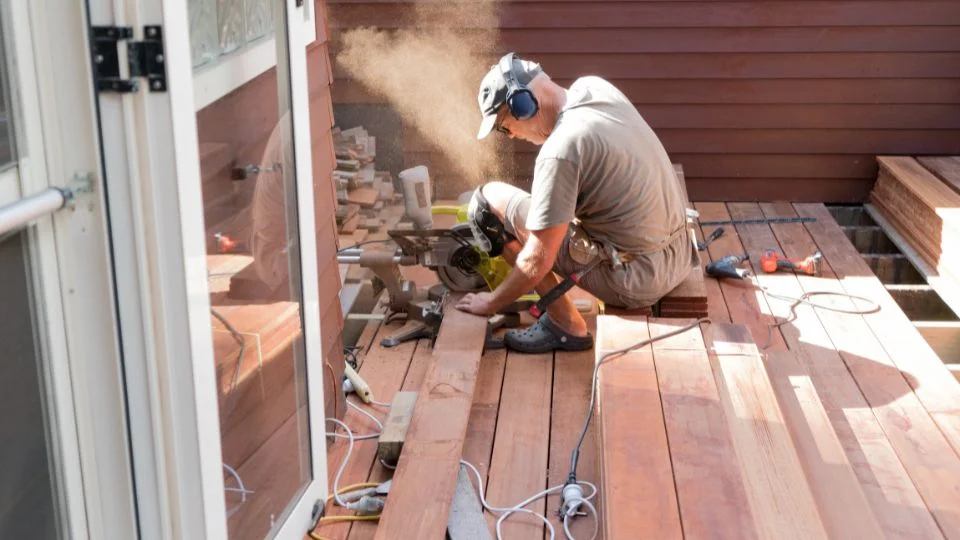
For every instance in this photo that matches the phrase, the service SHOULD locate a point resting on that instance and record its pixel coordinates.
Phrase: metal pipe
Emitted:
(20, 213)
(403, 260)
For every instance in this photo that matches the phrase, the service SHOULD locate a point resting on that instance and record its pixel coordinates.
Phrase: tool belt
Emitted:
(585, 250)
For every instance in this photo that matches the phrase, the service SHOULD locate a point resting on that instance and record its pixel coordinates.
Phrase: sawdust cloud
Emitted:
(430, 71)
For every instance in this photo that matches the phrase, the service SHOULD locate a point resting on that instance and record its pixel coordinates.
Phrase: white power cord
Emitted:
(343, 465)
(367, 414)
(508, 511)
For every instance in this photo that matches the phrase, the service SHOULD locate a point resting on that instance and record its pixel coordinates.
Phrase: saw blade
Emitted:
(459, 280)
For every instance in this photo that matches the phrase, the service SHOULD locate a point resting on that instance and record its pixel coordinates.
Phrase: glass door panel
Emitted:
(249, 187)
(30, 483)
(27, 500)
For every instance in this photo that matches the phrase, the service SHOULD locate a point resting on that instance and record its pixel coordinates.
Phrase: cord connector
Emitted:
(571, 498)
(367, 506)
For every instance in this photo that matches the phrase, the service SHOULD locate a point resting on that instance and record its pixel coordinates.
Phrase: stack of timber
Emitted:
(689, 299)
(923, 208)
(362, 191)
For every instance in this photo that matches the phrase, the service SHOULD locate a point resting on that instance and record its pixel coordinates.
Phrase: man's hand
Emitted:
(478, 304)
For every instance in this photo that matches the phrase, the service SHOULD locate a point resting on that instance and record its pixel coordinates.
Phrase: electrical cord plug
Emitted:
(360, 387)
(571, 498)
(353, 496)
(366, 506)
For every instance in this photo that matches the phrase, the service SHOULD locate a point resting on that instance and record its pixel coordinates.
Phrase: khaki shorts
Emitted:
(640, 283)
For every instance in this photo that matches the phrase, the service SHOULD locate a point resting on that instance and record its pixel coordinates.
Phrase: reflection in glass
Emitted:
(222, 27)
(259, 19)
(7, 151)
(27, 508)
(230, 17)
(250, 208)
(204, 45)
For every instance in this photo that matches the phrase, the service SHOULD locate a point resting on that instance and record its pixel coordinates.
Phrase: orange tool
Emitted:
(773, 262)
(227, 244)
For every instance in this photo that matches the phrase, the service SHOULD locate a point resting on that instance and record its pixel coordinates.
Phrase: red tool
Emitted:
(773, 262)
(227, 244)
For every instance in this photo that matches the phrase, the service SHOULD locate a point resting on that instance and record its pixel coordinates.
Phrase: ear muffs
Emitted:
(520, 100)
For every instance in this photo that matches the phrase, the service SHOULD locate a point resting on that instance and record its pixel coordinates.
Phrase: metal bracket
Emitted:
(80, 184)
(144, 59)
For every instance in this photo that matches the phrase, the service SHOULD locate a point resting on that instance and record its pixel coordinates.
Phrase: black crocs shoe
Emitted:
(545, 336)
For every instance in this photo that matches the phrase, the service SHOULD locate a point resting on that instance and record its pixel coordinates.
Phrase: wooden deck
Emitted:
(853, 421)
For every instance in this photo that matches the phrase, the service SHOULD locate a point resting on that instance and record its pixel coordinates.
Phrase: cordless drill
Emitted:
(773, 262)
(728, 267)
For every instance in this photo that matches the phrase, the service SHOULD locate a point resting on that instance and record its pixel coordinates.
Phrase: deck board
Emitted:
(641, 503)
(864, 434)
(426, 474)
(884, 479)
(781, 500)
(713, 501)
(745, 305)
(518, 467)
(383, 369)
(912, 355)
(572, 375)
(482, 427)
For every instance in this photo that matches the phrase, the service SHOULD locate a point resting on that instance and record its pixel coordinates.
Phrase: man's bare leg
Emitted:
(563, 312)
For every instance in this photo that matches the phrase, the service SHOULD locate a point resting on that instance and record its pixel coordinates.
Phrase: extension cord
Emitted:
(360, 387)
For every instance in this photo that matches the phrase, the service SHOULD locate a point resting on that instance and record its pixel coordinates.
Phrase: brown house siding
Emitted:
(758, 100)
(241, 122)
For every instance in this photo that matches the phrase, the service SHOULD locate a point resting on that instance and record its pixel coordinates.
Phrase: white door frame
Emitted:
(156, 208)
(72, 271)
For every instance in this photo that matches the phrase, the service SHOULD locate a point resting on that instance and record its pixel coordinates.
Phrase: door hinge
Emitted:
(145, 59)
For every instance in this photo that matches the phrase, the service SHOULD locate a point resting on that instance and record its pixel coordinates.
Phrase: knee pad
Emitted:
(488, 230)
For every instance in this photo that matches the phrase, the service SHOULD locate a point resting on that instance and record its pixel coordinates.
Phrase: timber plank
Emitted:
(364, 197)
(946, 167)
(843, 505)
(692, 289)
(782, 503)
(572, 376)
(744, 303)
(478, 446)
(423, 484)
(521, 447)
(710, 490)
(639, 496)
(716, 304)
(925, 454)
(891, 492)
(910, 353)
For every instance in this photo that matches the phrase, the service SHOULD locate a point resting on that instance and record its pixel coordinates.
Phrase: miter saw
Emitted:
(459, 255)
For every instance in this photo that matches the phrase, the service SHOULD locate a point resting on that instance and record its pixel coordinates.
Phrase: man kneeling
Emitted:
(605, 196)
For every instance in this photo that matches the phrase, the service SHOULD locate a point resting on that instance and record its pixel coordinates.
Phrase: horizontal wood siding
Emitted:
(759, 100)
